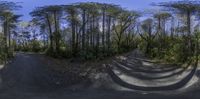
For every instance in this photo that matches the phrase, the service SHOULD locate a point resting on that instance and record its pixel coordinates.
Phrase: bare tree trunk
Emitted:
(73, 36)
(103, 32)
(98, 36)
(57, 34)
(5, 27)
(9, 37)
(108, 34)
(83, 31)
(189, 31)
(172, 27)
(93, 31)
(50, 32)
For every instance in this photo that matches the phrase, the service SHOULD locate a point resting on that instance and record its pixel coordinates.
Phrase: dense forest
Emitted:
(93, 50)
(97, 30)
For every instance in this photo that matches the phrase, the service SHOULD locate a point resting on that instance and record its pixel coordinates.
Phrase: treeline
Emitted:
(96, 30)
(8, 21)
(89, 30)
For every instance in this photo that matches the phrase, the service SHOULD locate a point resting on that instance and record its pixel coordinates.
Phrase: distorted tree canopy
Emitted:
(92, 30)
(8, 20)
(92, 27)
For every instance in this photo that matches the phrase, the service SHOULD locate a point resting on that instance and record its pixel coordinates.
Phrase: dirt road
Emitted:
(27, 77)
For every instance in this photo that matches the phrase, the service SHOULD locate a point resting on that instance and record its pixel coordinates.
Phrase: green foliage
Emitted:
(65, 52)
(50, 52)
(175, 53)
(87, 55)
(2, 53)
(173, 50)
(36, 46)
(107, 30)
(83, 34)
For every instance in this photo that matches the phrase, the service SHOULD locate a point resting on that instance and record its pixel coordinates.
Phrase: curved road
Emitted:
(27, 77)
(27, 72)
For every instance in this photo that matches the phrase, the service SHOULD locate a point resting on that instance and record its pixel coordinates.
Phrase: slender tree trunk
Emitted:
(108, 34)
(93, 31)
(87, 33)
(164, 35)
(44, 41)
(76, 41)
(103, 32)
(189, 32)
(9, 37)
(159, 32)
(149, 42)
(73, 36)
(83, 31)
(172, 27)
(57, 34)
(50, 32)
(98, 36)
(5, 27)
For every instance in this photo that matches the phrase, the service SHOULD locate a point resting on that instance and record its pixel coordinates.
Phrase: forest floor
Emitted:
(29, 76)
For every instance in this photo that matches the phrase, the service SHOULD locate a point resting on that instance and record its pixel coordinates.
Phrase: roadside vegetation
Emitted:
(94, 31)
(8, 21)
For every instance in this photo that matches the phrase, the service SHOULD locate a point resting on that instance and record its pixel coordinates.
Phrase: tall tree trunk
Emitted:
(164, 35)
(73, 35)
(149, 42)
(189, 32)
(172, 27)
(91, 31)
(44, 41)
(159, 32)
(57, 34)
(103, 32)
(83, 31)
(94, 32)
(98, 36)
(9, 37)
(50, 32)
(5, 28)
(108, 34)
(77, 39)
(87, 33)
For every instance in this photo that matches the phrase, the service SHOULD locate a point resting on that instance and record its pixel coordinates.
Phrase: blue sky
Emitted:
(29, 5)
